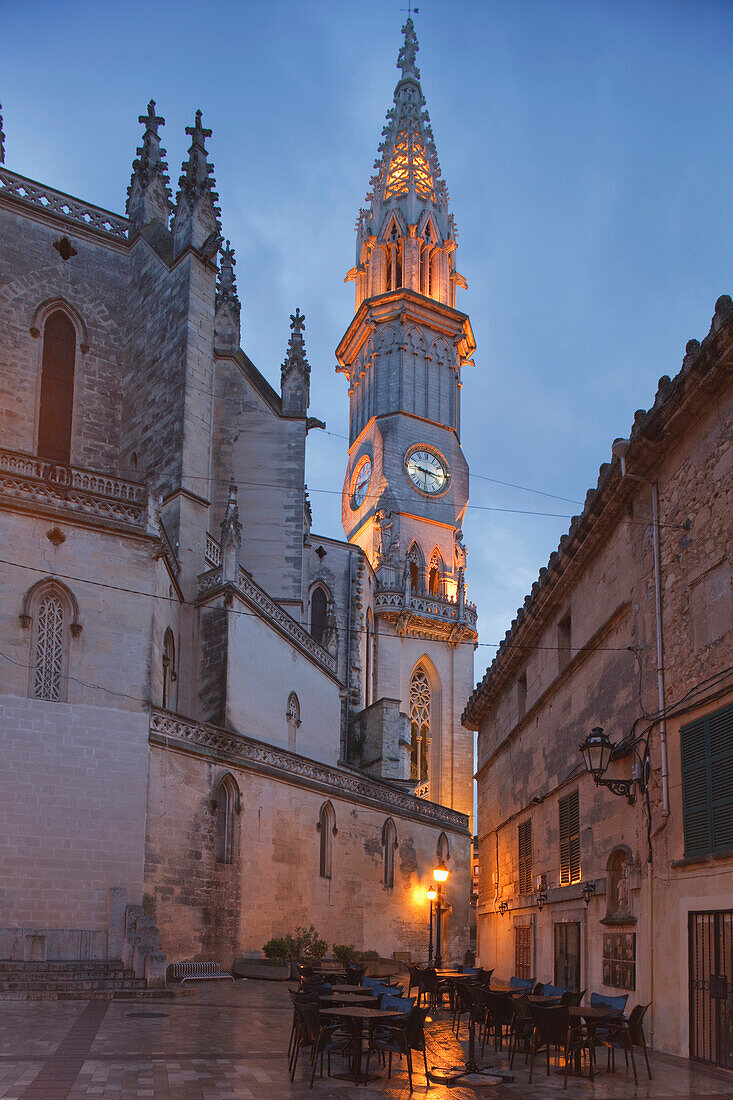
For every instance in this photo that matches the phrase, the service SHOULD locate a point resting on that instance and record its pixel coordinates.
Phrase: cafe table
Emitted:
(591, 1015)
(358, 1015)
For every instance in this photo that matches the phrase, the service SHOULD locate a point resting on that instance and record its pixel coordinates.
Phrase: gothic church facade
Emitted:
(216, 723)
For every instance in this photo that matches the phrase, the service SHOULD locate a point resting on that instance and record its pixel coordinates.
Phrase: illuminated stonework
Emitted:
(409, 165)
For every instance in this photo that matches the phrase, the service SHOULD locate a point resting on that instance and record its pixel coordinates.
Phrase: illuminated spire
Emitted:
(408, 165)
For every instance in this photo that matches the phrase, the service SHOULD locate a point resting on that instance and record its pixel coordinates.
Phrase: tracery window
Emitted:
(319, 606)
(435, 575)
(226, 807)
(327, 829)
(409, 158)
(169, 667)
(419, 724)
(49, 647)
(389, 844)
(57, 388)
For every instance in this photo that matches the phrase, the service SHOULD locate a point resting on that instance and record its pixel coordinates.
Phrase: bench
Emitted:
(196, 971)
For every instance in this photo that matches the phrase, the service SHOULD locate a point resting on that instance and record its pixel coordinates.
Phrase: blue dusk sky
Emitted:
(588, 151)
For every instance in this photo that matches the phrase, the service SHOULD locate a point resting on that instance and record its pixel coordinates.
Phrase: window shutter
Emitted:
(720, 733)
(569, 839)
(695, 788)
(524, 833)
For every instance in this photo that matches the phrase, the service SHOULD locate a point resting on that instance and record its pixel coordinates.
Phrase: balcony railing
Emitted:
(66, 206)
(440, 608)
(29, 480)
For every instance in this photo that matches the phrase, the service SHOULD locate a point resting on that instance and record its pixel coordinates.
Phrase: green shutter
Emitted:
(695, 788)
(720, 741)
(707, 783)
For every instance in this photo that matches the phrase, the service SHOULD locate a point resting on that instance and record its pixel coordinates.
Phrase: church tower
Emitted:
(406, 486)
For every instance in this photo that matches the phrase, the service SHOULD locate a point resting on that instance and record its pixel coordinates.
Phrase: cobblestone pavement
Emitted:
(230, 1044)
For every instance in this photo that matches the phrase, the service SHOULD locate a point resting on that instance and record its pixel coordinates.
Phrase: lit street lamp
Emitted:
(440, 874)
(432, 895)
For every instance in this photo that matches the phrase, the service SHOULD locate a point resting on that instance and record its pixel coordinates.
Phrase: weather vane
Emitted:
(410, 10)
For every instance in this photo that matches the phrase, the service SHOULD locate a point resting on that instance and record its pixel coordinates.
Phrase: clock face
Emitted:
(426, 470)
(360, 483)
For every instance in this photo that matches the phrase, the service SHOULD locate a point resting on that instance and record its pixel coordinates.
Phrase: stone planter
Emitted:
(384, 968)
(258, 968)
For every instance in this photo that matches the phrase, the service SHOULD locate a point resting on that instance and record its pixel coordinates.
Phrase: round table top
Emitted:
(365, 989)
(360, 1013)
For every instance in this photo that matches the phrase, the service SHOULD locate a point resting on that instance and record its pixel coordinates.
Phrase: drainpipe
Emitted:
(348, 666)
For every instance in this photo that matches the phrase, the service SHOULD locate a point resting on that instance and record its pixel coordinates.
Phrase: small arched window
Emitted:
(443, 848)
(57, 389)
(227, 805)
(327, 829)
(319, 608)
(389, 844)
(51, 610)
(169, 668)
(292, 715)
(416, 563)
(419, 724)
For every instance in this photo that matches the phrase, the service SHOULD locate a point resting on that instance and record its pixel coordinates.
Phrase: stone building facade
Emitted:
(210, 713)
(629, 629)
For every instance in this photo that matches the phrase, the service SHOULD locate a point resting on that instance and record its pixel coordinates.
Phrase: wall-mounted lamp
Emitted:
(503, 906)
(597, 750)
(589, 889)
(541, 900)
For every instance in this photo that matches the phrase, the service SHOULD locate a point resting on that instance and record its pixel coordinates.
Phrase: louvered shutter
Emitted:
(569, 839)
(696, 788)
(524, 833)
(720, 734)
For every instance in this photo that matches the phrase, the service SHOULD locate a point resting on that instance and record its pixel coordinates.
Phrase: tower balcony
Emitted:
(437, 617)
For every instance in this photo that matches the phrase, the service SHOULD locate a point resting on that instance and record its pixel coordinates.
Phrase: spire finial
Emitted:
(295, 373)
(149, 193)
(197, 217)
(2, 137)
(408, 52)
(227, 330)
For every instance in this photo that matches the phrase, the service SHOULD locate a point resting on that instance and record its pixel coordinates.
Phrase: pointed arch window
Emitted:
(169, 668)
(420, 697)
(293, 718)
(416, 564)
(319, 610)
(327, 830)
(435, 575)
(51, 610)
(443, 848)
(227, 805)
(57, 388)
(389, 845)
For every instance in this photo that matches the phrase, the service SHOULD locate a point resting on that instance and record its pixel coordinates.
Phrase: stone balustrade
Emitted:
(66, 206)
(212, 556)
(31, 481)
(440, 608)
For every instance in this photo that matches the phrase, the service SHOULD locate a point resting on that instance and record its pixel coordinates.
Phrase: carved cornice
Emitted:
(169, 730)
(29, 192)
(32, 482)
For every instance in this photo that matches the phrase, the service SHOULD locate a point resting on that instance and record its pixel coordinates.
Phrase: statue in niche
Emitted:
(619, 884)
(622, 890)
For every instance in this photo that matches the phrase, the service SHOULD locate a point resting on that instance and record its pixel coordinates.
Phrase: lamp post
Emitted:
(432, 895)
(440, 874)
(597, 751)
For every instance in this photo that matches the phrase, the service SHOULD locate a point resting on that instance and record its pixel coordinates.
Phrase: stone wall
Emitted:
(209, 910)
(72, 811)
(546, 691)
